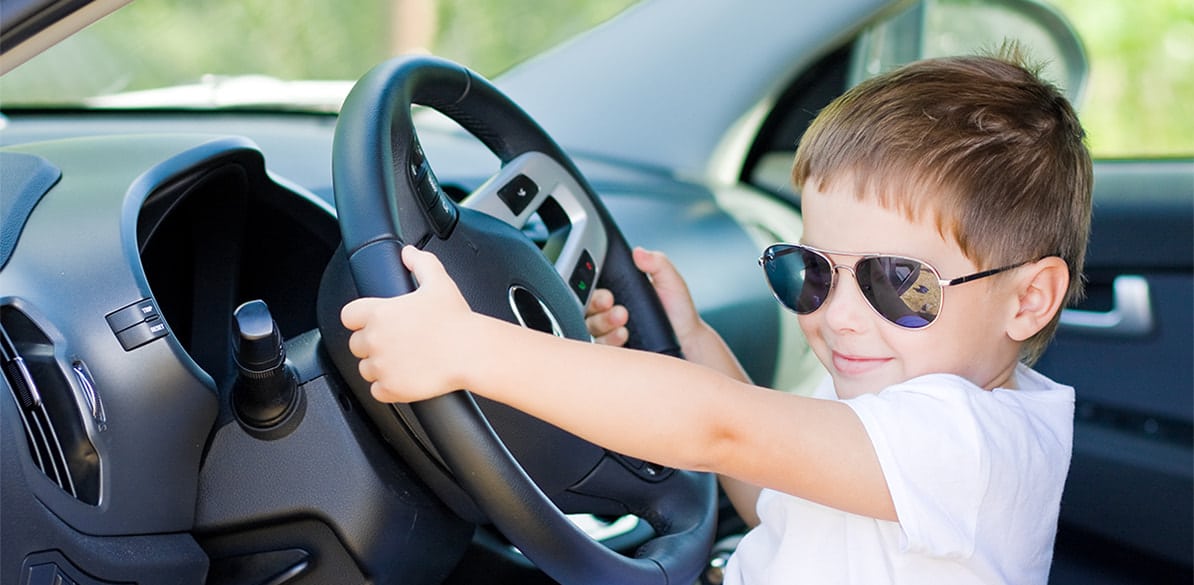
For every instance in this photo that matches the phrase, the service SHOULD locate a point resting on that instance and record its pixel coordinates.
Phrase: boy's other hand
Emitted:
(672, 290)
(607, 320)
(409, 344)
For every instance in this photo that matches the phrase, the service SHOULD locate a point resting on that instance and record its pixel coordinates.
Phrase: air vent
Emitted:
(58, 442)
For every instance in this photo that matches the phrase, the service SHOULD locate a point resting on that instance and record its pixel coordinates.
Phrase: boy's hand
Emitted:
(673, 292)
(407, 343)
(699, 342)
(607, 320)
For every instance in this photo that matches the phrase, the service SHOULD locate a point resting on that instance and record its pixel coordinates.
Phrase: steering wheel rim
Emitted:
(386, 195)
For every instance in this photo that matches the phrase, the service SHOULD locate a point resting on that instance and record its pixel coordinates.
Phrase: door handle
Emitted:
(1131, 312)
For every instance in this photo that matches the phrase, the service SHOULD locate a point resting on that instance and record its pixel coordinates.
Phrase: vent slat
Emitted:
(33, 441)
(47, 449)
(19, 377)
(57, 458)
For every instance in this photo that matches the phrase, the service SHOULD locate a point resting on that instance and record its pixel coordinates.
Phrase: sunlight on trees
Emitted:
(1138, 100)
(1140, 96)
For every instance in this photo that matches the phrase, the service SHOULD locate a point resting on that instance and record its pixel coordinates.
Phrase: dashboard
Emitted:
(125, 257)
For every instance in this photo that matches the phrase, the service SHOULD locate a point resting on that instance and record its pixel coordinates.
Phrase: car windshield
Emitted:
(248, 53)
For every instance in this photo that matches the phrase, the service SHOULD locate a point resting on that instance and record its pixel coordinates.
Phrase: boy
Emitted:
(932, 453)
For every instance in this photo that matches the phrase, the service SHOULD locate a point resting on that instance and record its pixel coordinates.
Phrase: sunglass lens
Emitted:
(800, 278)
(902, 290)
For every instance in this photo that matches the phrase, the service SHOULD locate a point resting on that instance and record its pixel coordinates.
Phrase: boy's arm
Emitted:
(743, 496)
(699, 342)
(642, 404)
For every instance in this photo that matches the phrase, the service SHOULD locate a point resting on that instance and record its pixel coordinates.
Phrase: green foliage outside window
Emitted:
(1138, 100)
(1140, 96)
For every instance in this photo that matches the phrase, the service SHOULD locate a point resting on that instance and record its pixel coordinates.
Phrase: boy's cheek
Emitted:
(809, 326)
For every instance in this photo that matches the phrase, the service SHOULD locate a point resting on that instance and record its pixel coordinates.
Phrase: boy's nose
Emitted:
(846, 309)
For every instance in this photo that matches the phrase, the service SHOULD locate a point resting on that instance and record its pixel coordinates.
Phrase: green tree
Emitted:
(1140, 98)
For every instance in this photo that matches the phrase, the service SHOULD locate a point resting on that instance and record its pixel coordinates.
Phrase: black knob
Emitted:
(265, 393)
(259, 343)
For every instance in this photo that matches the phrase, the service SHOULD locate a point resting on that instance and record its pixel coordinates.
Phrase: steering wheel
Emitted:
(467, 449)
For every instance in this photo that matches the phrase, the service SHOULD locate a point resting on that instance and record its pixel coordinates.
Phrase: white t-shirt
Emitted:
(976, 478)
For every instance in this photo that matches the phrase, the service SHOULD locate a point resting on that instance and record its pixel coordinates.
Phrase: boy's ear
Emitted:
(1040, 291)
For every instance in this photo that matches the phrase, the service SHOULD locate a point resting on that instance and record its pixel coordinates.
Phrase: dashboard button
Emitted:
(142, 333)
(138, 312)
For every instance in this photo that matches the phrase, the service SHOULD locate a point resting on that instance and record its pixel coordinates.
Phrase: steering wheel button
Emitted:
(583, 275)
(518, 193)
(416, 158)
(427, 188)
(442, 216)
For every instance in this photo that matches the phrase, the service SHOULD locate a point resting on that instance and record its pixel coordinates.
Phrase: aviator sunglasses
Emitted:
(905, 291)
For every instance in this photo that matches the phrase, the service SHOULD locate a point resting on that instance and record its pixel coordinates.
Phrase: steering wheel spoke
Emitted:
(537, 195)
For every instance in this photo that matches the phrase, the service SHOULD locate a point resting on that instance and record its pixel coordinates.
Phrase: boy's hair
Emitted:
(981, 145)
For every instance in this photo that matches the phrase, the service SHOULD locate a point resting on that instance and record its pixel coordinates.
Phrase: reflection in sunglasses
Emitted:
(905, 291)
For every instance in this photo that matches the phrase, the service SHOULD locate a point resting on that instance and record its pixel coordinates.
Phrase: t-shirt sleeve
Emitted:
(927, 439)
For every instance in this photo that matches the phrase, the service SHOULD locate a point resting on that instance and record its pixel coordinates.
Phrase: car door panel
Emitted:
(1127, 351)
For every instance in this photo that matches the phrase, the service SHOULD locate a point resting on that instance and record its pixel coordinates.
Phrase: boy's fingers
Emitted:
(355, 315)
(365, 367)
(657, 265)
(424, 266)
(358, 345)
(601, 301)
(600, 324)
(617, 338)
(644, 259)
(379, 393)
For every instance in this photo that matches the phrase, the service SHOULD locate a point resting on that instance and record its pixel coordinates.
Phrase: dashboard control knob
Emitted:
(265, 393)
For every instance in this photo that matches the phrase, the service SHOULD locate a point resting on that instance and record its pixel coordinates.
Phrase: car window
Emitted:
(236, 44)
(942, 28)
(1139, 96)
(1128, 72)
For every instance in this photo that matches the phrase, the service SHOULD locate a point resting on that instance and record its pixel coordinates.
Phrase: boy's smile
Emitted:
(865, 353)
(855, 365)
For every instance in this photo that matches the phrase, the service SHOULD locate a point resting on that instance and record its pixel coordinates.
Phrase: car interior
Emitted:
(184, 408)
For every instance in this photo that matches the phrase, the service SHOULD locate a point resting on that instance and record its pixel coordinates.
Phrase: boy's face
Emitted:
(864, 352)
